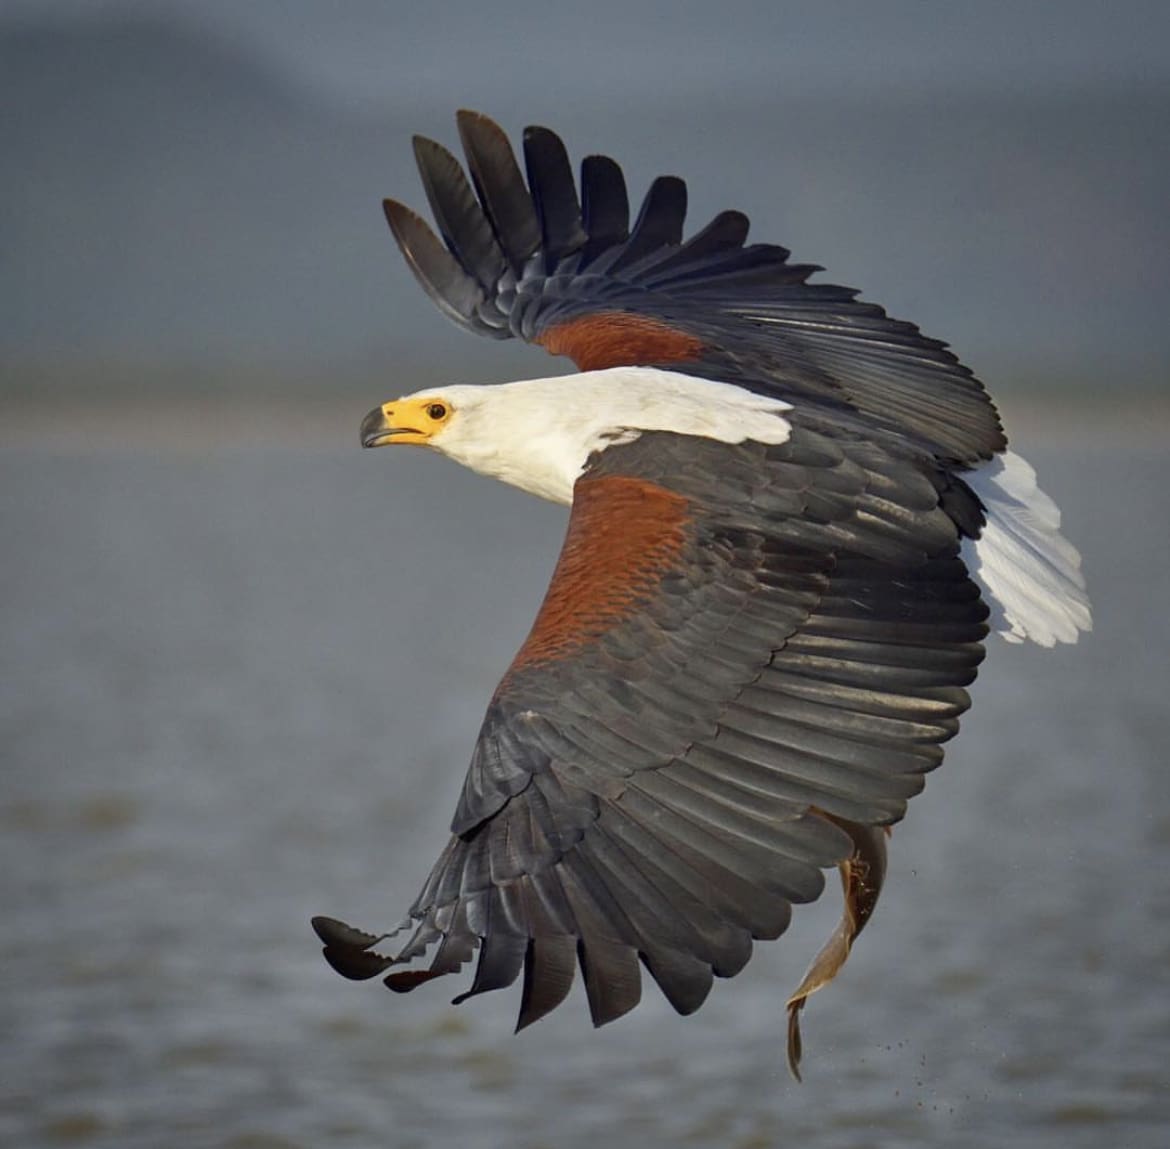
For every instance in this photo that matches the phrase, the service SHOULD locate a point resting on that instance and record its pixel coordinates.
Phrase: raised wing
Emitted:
(748, 657)
(532, 260)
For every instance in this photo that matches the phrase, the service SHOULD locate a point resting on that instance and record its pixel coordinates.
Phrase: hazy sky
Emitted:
(365, 50)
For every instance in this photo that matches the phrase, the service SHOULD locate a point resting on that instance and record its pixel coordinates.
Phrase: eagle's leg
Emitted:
(862, 874)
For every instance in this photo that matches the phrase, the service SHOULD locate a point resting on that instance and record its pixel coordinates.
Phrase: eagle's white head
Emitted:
(538, 434)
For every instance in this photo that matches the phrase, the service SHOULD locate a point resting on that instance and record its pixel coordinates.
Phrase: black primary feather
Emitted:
(554, 195)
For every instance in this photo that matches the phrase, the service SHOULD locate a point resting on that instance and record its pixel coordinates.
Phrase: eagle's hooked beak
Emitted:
(383, 426)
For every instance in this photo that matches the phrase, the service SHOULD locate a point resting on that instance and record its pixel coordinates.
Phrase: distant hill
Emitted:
(167, 197)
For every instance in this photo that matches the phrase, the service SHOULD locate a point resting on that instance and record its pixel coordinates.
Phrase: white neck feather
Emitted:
(537, 434)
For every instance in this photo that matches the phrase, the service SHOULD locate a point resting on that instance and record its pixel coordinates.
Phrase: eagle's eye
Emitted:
(437, 411)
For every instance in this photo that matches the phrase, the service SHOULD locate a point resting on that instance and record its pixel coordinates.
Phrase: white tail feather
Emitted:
(1030, 574)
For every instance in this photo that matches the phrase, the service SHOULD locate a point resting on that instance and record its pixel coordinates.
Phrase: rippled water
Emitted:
(241, 689)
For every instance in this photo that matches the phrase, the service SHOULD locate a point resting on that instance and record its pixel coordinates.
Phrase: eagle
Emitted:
(793, 522)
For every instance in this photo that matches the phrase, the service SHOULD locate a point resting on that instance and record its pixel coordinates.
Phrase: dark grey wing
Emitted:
(745, 653)
(537, 263)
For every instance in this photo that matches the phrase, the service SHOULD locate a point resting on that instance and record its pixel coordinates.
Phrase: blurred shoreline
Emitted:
(199, 424)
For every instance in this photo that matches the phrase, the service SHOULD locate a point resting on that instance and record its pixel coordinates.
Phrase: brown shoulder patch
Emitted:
(619, 339)
(624, 535)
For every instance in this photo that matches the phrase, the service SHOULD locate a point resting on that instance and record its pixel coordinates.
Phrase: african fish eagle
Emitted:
(793, 522)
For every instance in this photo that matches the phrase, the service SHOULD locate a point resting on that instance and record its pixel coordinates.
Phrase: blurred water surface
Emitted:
(241, 688)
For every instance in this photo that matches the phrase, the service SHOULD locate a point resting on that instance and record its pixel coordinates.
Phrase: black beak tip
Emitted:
(373, 425)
